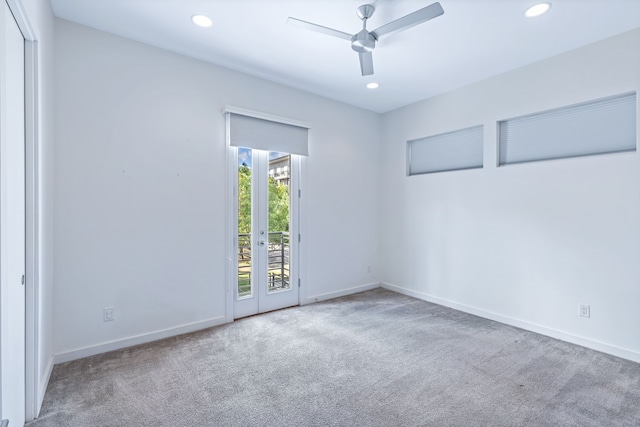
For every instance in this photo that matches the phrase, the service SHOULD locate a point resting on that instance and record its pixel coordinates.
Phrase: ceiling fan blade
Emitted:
(318, 28)
(410, 20)
(366, 63)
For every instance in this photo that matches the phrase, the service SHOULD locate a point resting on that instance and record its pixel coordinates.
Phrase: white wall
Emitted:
(140, 190)
(523, 244)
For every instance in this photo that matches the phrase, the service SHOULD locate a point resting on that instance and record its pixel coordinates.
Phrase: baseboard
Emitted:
(136, 340)
(44, 383)
(341, 293)
(543, 330)
(80, 353)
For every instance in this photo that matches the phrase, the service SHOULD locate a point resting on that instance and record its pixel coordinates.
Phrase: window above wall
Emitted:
(460, 149)
(603, 126)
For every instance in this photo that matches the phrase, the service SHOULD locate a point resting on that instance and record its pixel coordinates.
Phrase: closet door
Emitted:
(12, 220)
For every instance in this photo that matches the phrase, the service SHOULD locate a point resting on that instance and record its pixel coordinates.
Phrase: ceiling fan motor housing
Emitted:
(363, 42)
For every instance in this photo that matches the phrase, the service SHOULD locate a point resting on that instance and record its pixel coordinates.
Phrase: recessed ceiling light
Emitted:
(202, 21)
(373, 85)
(537, 10)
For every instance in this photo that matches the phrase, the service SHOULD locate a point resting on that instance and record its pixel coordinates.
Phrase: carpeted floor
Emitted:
(371, 359)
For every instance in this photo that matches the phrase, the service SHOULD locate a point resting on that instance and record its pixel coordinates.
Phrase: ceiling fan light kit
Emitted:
(363, 42)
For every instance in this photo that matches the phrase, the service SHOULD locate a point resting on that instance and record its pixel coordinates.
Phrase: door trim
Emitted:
(232, 219)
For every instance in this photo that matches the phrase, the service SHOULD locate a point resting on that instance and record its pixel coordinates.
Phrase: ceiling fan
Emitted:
(364, 41)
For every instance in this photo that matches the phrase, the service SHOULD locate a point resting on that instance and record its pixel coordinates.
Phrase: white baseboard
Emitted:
(138, 339)
(543, 330)
(44, 383)
(341, 293)
(80, 353)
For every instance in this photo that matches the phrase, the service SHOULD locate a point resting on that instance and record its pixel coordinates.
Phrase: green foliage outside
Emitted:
(278, 206)
(244, 199)
(278, 203)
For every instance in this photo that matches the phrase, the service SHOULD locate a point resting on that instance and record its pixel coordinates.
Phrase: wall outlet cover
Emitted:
(585, 310)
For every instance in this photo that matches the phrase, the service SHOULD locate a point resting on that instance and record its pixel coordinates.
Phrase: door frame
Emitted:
(232, 212)
(260, 164)
(34, 388)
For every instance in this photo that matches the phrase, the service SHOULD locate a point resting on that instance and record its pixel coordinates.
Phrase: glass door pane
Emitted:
(245, 286)
(279, 222)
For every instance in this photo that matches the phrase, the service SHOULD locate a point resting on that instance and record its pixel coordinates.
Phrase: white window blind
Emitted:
(603, 126)
(268, 135)
(461, 149)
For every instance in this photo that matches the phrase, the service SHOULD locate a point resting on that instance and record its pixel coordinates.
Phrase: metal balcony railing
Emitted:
(278, 262)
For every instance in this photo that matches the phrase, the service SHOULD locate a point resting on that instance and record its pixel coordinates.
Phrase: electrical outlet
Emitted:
(585, 310)
(107, 314)
(368, 269)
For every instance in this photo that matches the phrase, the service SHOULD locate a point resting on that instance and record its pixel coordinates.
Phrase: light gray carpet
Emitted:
(372, 359)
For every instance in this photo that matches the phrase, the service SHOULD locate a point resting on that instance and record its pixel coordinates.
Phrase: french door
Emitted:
(266, 236)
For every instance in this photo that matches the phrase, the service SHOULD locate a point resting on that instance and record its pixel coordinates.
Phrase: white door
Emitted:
(266, 234)
(12, 220)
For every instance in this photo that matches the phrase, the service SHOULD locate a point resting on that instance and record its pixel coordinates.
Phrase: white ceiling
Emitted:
(473, 40)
